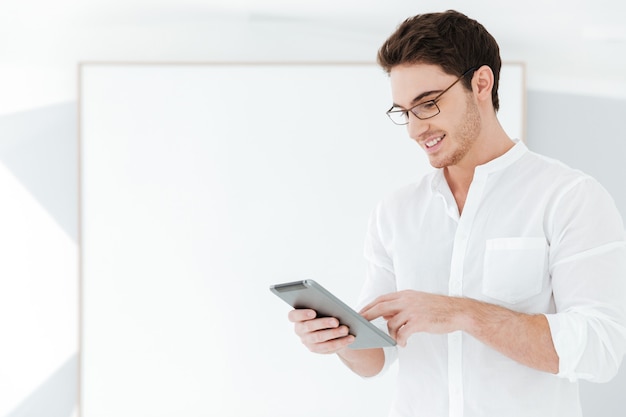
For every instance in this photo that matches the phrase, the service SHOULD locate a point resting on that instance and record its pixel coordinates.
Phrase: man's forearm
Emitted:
(364, 362)
(522, 337)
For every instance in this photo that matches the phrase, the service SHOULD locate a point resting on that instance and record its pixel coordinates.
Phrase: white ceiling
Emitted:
(577, 46)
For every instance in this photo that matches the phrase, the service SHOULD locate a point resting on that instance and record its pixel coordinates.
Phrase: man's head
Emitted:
(449, 40)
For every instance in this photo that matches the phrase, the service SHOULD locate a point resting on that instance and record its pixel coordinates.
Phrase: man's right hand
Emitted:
(320, 335)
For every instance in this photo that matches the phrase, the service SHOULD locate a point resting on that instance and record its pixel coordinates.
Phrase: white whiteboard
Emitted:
(202, 185)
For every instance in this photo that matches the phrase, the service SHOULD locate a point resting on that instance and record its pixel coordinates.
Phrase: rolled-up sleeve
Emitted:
(588, 270)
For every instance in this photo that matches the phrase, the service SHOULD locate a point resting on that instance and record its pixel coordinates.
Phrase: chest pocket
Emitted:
(514, 268)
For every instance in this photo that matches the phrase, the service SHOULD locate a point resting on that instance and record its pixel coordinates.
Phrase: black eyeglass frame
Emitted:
(432, 102)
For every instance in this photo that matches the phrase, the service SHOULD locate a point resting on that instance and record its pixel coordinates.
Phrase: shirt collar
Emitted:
(503, 161)
(499, 163)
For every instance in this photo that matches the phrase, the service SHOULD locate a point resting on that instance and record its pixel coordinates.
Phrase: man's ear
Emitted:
(482, 83)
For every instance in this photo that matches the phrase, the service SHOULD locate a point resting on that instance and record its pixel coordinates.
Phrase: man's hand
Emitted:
(320, 335)
(409, 312)
(325, 335)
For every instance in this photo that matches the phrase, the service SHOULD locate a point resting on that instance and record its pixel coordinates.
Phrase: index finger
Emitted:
(381, 307)
(376, 301)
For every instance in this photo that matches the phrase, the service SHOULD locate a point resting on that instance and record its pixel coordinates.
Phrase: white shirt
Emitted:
(536, 237)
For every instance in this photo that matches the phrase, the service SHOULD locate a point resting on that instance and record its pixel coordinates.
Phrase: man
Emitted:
(502, 274)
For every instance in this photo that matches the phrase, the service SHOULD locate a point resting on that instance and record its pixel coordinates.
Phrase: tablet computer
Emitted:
(310, 294)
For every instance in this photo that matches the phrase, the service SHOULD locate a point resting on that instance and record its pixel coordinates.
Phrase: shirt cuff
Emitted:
(390, 352)
(569, 336)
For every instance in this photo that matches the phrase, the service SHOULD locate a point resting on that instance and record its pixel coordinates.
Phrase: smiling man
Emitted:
(502, 274)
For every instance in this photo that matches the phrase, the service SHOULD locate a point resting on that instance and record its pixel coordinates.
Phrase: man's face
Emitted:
(447, 138)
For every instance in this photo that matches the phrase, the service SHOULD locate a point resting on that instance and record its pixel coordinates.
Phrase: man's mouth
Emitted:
(434, 141)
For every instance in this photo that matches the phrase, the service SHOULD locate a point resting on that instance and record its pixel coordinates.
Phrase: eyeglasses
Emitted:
(424, 110)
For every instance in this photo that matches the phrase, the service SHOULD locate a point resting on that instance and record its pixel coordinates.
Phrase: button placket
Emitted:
(455, 289)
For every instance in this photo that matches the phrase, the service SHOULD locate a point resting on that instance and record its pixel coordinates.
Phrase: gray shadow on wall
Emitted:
(585, 132)
(55, 397)
(40, 147)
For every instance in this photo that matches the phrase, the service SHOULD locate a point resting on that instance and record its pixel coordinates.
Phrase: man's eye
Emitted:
(429, 105)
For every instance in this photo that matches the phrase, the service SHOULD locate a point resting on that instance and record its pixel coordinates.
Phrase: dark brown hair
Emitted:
(450, 40)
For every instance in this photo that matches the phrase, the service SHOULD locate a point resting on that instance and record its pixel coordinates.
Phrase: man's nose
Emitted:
(416, 126)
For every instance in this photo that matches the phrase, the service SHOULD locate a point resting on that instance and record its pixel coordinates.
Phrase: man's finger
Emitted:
(331, 346)
(381, 309)
(381, 299)
(298, 315)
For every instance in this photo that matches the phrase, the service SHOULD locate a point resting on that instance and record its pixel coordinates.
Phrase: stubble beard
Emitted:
(464, 136)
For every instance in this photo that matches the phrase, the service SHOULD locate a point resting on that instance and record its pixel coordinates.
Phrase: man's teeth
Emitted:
(433, 142)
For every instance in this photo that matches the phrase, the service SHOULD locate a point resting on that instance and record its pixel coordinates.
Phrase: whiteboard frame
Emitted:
(83, 66)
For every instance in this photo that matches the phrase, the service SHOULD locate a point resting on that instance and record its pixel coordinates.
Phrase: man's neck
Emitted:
(459, 176)
(459, 181)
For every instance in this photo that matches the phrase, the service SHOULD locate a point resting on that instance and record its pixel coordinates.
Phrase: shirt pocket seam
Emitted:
(513, 268)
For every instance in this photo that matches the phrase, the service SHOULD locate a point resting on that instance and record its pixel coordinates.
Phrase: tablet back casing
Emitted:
(310, 294)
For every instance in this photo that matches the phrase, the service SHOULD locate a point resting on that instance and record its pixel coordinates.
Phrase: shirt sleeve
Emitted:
(380, 277)
(588, 270)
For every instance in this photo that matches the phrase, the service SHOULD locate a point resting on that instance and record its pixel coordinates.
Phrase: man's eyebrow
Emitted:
(419, 97)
